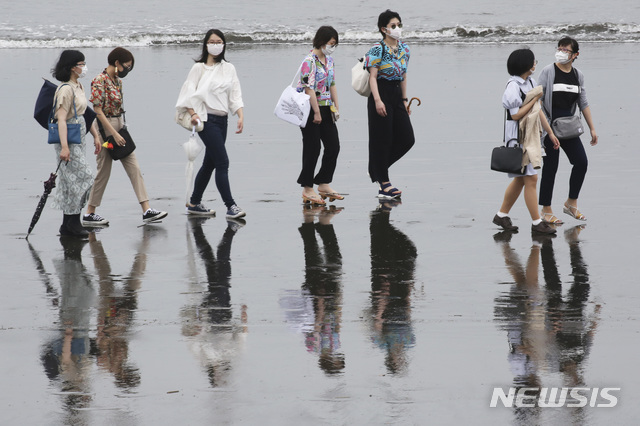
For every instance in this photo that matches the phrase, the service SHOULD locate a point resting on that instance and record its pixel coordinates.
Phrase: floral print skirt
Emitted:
(75, 178)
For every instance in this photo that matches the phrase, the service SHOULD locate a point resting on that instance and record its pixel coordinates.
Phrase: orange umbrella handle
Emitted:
(417, 99)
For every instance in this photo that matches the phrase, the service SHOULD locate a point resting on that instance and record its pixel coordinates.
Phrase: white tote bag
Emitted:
(293, 106)
(360, 78)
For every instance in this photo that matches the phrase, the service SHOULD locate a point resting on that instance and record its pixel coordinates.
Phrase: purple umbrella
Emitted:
(48, 186)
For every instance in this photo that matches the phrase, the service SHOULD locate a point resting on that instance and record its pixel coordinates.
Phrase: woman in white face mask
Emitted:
(76, 177)
(317, 80)
(210, 93)
(564, 91)
(390, 130)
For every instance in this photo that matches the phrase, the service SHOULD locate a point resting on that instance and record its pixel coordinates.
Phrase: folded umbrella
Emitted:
(192, 148)
(48, 186)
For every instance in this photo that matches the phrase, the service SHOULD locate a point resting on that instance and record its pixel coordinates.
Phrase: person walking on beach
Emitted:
(210, 93)
(563, 87)
(76, 177)
(390, 130)
(521, 65)
(107, 98)
(317, 80)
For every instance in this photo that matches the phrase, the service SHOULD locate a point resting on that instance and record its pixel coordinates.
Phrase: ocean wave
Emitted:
(596, 32)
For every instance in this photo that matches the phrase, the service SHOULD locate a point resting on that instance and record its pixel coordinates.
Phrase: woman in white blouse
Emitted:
(211, 92)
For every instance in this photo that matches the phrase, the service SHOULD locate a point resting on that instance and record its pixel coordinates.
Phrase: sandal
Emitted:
(573, 212)
(332, 196)
(313, 200)
(550, 218)
(389, 192)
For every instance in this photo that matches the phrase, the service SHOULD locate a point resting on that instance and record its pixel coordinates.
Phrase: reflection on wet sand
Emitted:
(316, 310)
(214, 337)
(393, 262)
(68, 358)
(550, 334)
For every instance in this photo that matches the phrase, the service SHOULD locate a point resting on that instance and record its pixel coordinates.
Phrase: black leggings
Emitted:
(577, 157)
(390, 137)
(312, 135)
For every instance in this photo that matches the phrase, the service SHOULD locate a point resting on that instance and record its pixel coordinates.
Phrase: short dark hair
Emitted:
(121, 55)
(385, 17)
(568, 41)
(68, 59)
(520, 61)
(324, 35)
(205, 53)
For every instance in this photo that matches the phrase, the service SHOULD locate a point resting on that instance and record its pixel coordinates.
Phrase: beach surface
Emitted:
(361, 314)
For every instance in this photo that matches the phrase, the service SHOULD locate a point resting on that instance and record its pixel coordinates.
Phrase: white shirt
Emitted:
(512, 100)
(211, 89)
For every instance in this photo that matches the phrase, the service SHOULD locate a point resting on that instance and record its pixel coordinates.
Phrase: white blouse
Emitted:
(211, 89)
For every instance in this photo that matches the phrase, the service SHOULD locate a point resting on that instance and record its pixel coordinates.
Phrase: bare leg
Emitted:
(511, 194)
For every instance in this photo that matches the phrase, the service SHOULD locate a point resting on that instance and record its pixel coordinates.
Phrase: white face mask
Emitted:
(395, 33)
(562, 57)
(215, 49)
(329, 49)
(84, 72)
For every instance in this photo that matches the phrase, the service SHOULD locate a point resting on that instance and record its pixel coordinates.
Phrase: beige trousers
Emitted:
(104, 163)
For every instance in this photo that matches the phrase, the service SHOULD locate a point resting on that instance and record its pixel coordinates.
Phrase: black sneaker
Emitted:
(542, 228)
(505, 223)
(152, 215)
(200, 209)
(94, 219)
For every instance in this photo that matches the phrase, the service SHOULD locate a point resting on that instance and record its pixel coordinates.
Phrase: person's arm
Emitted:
(240, 114)
(317, 118)
(96, 137)
(373, 83)
(587, 116)
(334, 96)
(100, 115)
(61, 115)
(549, 130)
(524, 109)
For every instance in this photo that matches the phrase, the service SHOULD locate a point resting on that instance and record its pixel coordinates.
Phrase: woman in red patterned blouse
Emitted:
(106, 96)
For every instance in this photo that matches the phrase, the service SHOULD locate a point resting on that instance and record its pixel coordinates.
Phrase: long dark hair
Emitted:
(205, 53)
(68, 59)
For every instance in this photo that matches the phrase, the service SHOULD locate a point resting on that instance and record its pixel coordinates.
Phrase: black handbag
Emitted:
(116, 151)
(507, 159)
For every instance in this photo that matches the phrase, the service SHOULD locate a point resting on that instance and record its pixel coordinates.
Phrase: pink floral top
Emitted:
(319, 81)
(107, 93)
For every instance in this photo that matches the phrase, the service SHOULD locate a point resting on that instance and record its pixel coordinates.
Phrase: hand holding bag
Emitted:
(507, 159)
(183, 118)
(293, 106)
(116, 151)
(74, 135)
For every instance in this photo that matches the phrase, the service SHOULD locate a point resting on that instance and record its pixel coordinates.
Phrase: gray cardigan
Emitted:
(547, 76)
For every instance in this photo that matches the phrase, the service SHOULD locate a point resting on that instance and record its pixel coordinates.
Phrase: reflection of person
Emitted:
(318, 81)
(547, 332)
(214, 337)
(322, 288)
(76, 177)
(116, 309)
(390, 130)
(393, 261)
(210, 93)
(521, 65)
(563, 86)
(66, 358)
(107, 98)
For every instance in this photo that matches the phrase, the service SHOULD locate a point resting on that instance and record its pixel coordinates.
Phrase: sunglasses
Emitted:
(393, 26)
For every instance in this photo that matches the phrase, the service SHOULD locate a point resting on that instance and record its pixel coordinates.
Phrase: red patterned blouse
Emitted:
(107, 93)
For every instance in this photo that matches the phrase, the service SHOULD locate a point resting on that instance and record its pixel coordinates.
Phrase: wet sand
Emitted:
(406, 314)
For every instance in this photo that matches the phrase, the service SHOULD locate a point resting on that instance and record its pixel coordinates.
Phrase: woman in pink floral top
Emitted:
(317, 80)
(106, 96)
